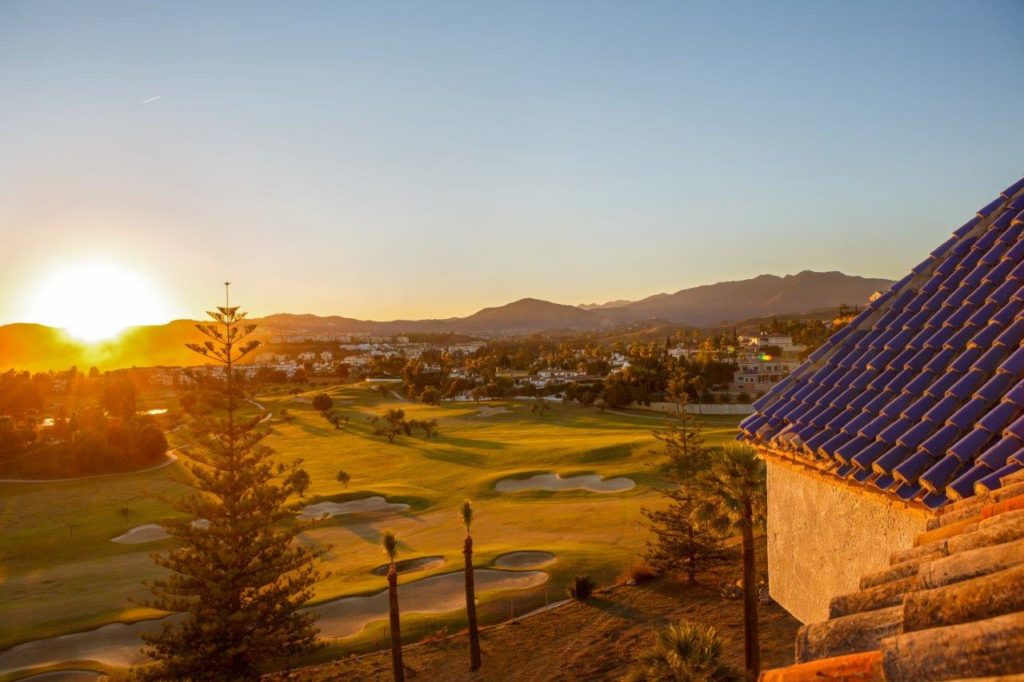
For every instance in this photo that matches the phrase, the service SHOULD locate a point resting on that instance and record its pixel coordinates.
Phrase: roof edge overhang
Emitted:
(792, 462)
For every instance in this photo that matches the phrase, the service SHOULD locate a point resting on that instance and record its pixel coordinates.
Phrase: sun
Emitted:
(94, 301)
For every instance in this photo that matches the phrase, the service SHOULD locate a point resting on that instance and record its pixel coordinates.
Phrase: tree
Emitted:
(539, 406)
(322, 402)
(429, 428)
(733, 497)
(684, 652)
(700, 385)
(299, 481)
(119, 395)
(682, 541)
(334, 418)
(343, 478)
(466, 513)
(430, 396)
(389, 543)
(477, 393)
(286, 416)
(240, 579)
(617, 393)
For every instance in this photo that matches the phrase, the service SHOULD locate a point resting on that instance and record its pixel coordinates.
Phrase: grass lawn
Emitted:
(60, 573)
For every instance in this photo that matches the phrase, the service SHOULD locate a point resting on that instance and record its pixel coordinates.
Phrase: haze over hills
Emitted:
(38, 347)
(763, 295)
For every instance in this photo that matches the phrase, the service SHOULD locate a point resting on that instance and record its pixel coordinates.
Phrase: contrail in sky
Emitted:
(151, 99)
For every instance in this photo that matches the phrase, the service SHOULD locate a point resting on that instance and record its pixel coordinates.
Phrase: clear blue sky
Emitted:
(422, 159)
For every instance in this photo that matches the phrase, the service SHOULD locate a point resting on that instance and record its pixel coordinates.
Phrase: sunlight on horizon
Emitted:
(94, 301)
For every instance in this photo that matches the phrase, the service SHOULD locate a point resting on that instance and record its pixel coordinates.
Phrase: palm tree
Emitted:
(731, 496)
(684, 652)
(389, 542)
(466, 512)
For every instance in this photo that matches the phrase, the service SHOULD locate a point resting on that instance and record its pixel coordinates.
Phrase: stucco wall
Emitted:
(823, 535)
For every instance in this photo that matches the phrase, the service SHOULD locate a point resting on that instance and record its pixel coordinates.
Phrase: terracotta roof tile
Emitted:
(951, 607)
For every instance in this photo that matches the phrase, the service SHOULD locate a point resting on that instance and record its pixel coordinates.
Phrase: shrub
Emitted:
(638, 573)
(323, 402)
(582, 588)
(684, 652)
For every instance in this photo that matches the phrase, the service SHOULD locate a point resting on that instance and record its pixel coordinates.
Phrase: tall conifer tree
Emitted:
(681, 541)
(238, 577)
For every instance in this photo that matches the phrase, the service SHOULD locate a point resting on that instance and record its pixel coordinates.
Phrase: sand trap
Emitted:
(525, 559)
(491, 411)
(437, 594)
(116, 644)
(591, 482)
(367, 505)
(150, 532)
(119, 644)
(423, 563)
(67, 676)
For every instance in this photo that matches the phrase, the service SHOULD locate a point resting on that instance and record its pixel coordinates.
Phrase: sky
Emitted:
(426, 159)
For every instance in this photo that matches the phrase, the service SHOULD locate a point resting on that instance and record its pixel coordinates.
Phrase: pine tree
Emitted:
(239, 579)
(681, 541)
(466, 513)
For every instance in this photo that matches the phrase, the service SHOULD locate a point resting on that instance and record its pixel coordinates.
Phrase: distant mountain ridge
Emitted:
(37, 347)
(762, 295)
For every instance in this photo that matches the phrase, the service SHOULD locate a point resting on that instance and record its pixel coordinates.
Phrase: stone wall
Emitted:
(694, 408)
(823, 534)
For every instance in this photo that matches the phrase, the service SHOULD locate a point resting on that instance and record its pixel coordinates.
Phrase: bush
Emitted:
(743, 398)
(582, 588)
(685, 651)
(323, 402)
(638, 573)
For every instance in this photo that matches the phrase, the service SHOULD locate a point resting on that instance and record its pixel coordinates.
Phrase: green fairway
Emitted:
(60, 573)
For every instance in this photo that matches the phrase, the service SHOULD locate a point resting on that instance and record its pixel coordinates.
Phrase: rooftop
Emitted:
(951, 607)
(921, 395)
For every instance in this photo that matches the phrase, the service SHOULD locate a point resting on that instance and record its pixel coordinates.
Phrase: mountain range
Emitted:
(37, 347)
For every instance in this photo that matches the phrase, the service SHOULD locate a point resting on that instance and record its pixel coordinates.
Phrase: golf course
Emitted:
(557, 494)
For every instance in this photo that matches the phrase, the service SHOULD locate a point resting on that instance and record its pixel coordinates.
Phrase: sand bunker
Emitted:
(423, 563)
(117, 644)
(491, 411)
(591, 482)
(67, 676)
(525, 559)
(437, 594)
(367, 505)
(150, 532)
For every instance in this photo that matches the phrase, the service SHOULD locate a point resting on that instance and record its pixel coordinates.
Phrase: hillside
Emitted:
(761, 296)
(37, 347)
(528, 315)
(595, 640)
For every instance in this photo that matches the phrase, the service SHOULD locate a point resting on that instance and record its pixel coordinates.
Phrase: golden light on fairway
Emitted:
(94, 301)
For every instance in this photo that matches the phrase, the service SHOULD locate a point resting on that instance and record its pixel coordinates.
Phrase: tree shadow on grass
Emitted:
(475, 443)
(467, 459)
(618, 610)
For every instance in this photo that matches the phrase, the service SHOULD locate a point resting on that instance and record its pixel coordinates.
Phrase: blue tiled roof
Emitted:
(922, 395)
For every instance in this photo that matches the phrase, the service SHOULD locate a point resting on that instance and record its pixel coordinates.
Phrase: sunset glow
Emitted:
(94, 301)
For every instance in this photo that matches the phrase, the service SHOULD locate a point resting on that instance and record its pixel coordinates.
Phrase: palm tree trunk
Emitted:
(397, 669)
(474, 632)
(692, 568)
(750, 635)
